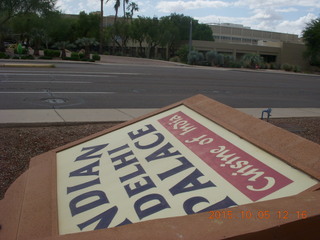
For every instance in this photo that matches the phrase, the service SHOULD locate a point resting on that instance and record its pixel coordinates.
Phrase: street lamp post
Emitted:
(190, 36)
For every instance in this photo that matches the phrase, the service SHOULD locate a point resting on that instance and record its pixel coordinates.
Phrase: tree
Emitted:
(152, 35)
(88, 25)
(124, 7)
(131, 8)
(116, 8)
(63, 45)
(121, 32)
(37, 37)
(11, 8)
(138, 27)
(176, 28)
(311, 36)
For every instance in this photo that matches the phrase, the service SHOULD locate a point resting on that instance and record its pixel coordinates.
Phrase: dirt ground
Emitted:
(19, 144)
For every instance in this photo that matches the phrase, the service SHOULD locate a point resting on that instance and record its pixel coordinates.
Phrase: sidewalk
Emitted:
(64, 116)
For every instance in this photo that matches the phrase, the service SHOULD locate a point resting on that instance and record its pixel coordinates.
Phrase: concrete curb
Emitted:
(40, 65)
(68, 116)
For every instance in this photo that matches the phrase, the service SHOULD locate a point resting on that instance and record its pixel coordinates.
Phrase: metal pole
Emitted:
(190, 36)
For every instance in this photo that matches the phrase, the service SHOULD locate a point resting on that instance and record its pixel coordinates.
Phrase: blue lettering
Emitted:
(192, 179)
(93, 149)
(190, 203)
(160, 205)
(138, 187)
(83, 185)
(163, 152)
(105, 219)
(102, 199)
(86, 171)
(142, 132)
(185, 164)
(139, 171)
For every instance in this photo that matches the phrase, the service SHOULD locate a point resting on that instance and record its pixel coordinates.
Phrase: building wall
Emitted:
(291, 53)
(237, 50)
(239, 34)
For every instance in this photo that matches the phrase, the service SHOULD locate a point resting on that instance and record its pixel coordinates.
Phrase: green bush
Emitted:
(75, 56)
(174, 59)
(297, 69)
(81, 55)
(275, 66)
(96, 57)
(195, 58)
(182, 53)
(212, 57)
(4, 56)
(24, 51)
(51, 53)
(229, 60)
(30, 57)
(235, 64)
(252, 60)
(45, 57)
(287, 67)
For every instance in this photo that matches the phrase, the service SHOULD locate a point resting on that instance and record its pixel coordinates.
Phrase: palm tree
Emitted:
(63, 45)
(132, 7)
(87, 43)
(116, 7)
(124, 7)
(37, 36)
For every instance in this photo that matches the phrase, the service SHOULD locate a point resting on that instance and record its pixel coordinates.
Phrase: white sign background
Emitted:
(100, 191)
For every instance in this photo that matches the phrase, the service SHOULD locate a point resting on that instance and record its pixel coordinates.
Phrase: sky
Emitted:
(286, 16)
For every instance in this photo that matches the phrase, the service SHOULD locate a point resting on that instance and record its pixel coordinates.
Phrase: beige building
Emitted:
(237, 40)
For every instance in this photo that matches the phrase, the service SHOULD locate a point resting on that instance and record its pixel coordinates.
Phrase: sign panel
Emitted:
(172, 164)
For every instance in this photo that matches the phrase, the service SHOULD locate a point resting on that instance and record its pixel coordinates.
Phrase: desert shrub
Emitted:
(287, 67)
(75, 56)
(24, 50)
(4, 56)
(174, 59)
(96, 57)
(29, 57)
(252, 60)
(51, 53)
(212, 57)
(275, 66)
(195, 58)
(45, 57)
(229, 60)
(81, 55)
(297, 69)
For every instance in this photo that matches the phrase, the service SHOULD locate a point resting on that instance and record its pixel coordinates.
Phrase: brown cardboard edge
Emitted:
(200, 226)
(10, 208)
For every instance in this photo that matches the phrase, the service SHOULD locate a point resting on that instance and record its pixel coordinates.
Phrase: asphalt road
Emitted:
(91, 85)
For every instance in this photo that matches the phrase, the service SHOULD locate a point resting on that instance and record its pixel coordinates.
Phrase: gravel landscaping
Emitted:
(19, 144)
